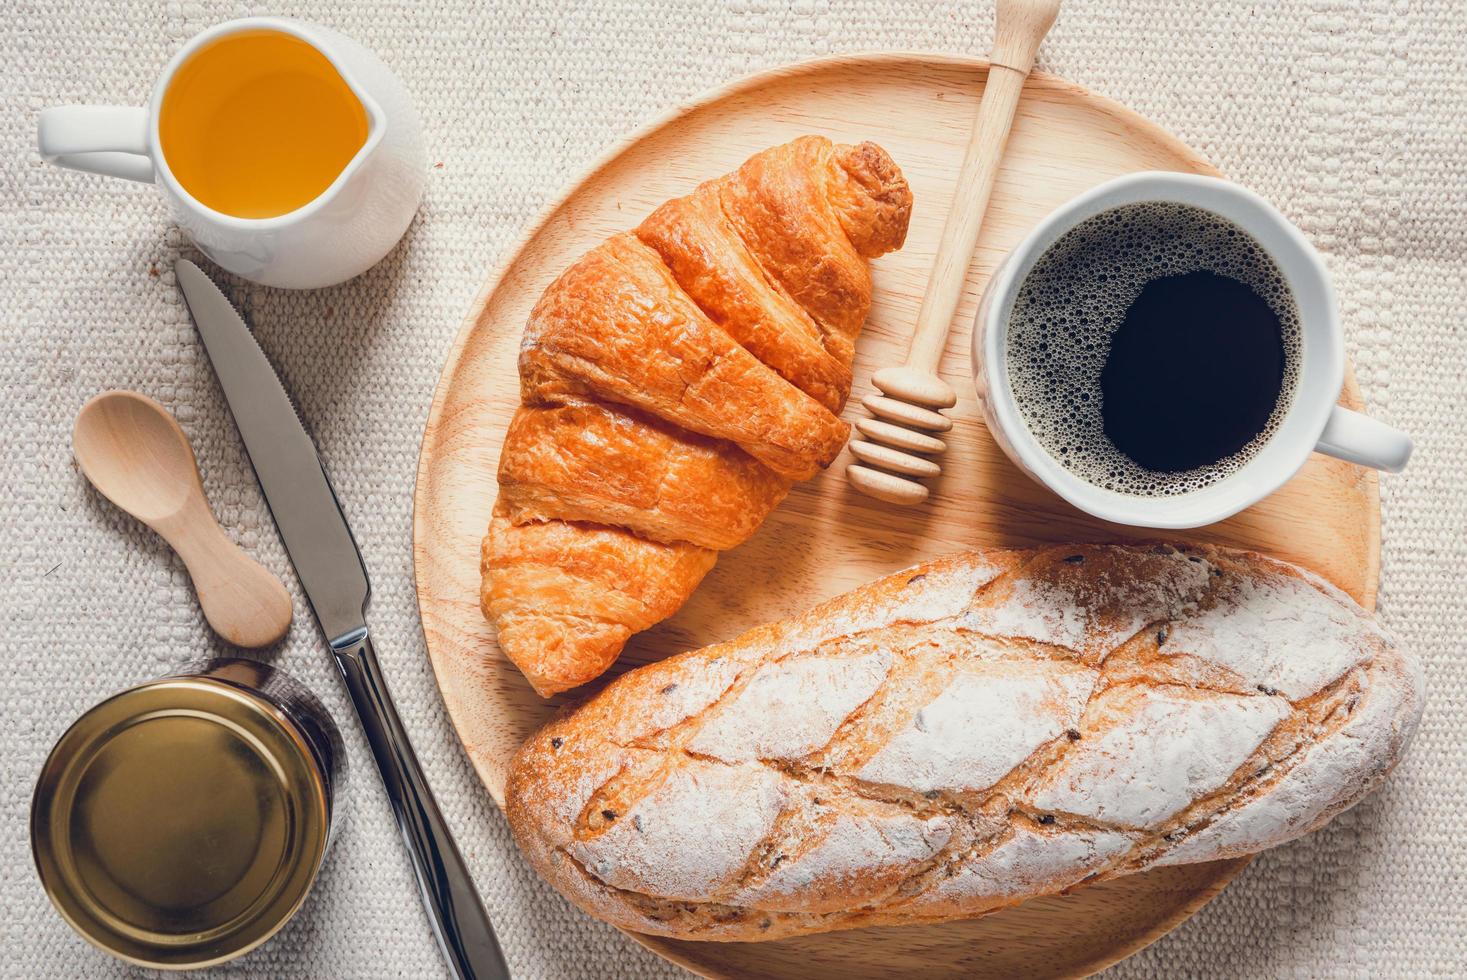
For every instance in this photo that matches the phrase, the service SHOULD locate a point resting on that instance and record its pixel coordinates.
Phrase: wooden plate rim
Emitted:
(666, 948)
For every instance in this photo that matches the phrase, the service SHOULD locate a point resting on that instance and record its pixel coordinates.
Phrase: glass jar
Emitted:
(182, 822)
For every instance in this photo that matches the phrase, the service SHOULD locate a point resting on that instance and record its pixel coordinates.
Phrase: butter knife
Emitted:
(331, 572)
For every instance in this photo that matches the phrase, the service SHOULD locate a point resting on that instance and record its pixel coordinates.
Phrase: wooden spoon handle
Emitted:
(1022, 24)
(242, 600)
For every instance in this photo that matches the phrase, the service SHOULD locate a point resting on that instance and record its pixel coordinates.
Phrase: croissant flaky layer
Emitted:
(965, 735)
(675, 381)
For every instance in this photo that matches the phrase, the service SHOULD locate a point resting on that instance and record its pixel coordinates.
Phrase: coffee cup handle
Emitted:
(1358, 438)
(99, 139)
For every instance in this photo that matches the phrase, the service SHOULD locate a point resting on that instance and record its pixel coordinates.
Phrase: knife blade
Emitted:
(331, 571)
(294, 482)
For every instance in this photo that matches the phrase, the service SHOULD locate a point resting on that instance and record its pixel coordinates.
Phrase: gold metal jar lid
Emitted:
(180, 823)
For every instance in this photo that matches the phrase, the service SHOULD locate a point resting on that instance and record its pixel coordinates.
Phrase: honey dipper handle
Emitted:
(1022, 24)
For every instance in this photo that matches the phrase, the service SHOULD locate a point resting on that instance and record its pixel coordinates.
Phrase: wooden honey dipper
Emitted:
(908, 410)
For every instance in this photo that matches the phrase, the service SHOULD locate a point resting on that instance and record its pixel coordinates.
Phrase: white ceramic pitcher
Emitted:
(342, 232)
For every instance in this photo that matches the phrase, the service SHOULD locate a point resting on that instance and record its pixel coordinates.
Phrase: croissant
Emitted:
(674, 383)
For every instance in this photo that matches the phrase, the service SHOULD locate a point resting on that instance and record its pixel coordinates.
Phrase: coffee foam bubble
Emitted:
(1073, 300)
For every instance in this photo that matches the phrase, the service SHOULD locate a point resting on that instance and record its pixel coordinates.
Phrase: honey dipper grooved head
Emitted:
(893, 460)
(898, 437)
(885, 486)
(906, 417)
(915, 386)
(904, 413)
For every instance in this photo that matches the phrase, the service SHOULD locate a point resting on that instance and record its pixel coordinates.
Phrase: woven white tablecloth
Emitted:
(1350, 114)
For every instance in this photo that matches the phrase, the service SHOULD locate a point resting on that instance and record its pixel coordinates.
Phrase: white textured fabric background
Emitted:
(1350, 114)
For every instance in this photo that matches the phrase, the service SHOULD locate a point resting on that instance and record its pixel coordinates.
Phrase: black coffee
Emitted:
(1153, 349)
(1220, 336)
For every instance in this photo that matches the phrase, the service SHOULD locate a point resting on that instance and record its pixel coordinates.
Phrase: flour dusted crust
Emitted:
(965, 735)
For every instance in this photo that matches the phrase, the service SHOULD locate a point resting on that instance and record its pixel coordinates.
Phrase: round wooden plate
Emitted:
(826, 539)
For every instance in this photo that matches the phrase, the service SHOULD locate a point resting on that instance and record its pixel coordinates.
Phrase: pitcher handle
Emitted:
(99, 139)
(1358, 438)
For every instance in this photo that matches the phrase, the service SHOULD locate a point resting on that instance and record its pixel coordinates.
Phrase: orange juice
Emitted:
(258, 124)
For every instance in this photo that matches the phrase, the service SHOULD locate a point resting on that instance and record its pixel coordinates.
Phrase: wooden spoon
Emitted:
(134, 452)
(899, 443)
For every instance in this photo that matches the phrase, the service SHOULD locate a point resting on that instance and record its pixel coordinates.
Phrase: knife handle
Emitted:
(462, 926)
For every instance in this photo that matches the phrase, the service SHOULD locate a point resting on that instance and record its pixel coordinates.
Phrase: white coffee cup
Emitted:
(1313, 422)
(344, 231)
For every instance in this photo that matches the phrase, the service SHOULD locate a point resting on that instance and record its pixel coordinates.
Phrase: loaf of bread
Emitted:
(965, 735)
(675, 381)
